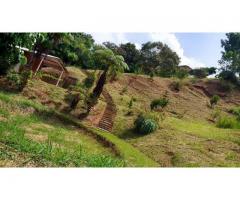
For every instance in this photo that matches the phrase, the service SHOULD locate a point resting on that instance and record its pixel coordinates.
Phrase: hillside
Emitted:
(35, 132)
(37, 128)
(188, 135)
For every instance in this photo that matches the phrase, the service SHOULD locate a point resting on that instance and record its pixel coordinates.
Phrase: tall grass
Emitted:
(228, 122)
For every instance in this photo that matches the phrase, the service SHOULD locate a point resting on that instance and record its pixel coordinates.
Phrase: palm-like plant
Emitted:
(112, 65)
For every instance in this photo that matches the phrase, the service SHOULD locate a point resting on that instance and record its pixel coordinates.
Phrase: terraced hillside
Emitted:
(38, 129)
(188, 136)
(35, 131)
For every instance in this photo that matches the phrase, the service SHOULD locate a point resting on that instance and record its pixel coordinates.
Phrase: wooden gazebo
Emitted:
(37, 62)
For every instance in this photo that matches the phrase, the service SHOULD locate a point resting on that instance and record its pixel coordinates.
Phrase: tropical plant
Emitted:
(112, 65)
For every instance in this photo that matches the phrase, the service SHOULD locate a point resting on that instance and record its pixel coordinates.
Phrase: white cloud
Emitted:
(171, 40)
(117, 38)
(168, 38)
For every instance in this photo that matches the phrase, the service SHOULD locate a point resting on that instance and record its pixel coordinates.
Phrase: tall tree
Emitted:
(158, 58)
(230, 60)
(131, 55)
(76, 49)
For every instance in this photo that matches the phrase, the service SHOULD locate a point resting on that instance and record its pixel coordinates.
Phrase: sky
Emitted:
(194, 49)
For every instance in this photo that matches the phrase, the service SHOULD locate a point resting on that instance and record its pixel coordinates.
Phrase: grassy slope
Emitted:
(73, 143)
(32, 138)
(186, 137)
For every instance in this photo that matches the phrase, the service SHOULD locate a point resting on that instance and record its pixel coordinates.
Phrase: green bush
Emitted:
(181, 74)
(145, 124)
(227, 122)
(162, 102)
(151, 75)
(14, 78)
(214, 100)
(236, 112)
(18, 80)
(89, 81)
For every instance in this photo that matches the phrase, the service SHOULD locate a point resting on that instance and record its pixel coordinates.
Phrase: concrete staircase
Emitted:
(107, 120)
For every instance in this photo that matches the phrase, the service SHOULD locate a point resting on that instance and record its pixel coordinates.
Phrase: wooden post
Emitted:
(39, 66)
(59, 78)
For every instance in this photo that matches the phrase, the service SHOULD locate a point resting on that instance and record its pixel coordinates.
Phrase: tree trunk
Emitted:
(97, 91)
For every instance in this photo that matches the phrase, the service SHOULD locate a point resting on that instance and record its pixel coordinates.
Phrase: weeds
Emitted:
(214, 100)
(162, 102)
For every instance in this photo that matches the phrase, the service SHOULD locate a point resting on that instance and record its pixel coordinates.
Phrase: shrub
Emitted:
(151, 75)
(89, 81)
(18, 80)
(145, 124)
(214, 100)
(14, 78)
(181, 74)
(236, 112)
(162, 102)
(226, 122)
(176, 85)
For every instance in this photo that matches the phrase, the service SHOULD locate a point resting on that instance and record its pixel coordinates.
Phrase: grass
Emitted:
(187, 141)
(59, 148)
(203, 129)
(228, 122)
(131, 155)
(14, 136)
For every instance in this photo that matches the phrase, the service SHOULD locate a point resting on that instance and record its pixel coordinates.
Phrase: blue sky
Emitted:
(194, 49)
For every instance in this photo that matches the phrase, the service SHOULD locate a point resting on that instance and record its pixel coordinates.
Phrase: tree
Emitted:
(203, 72)
(76, 49)
(112, 66)
(230, 61)
(158, 57)
(131, 56)
(128, 51)
(211, 70)
(199, 73)
(9, 53)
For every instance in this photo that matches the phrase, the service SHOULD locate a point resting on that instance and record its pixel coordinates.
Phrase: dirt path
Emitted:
(107, 120)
